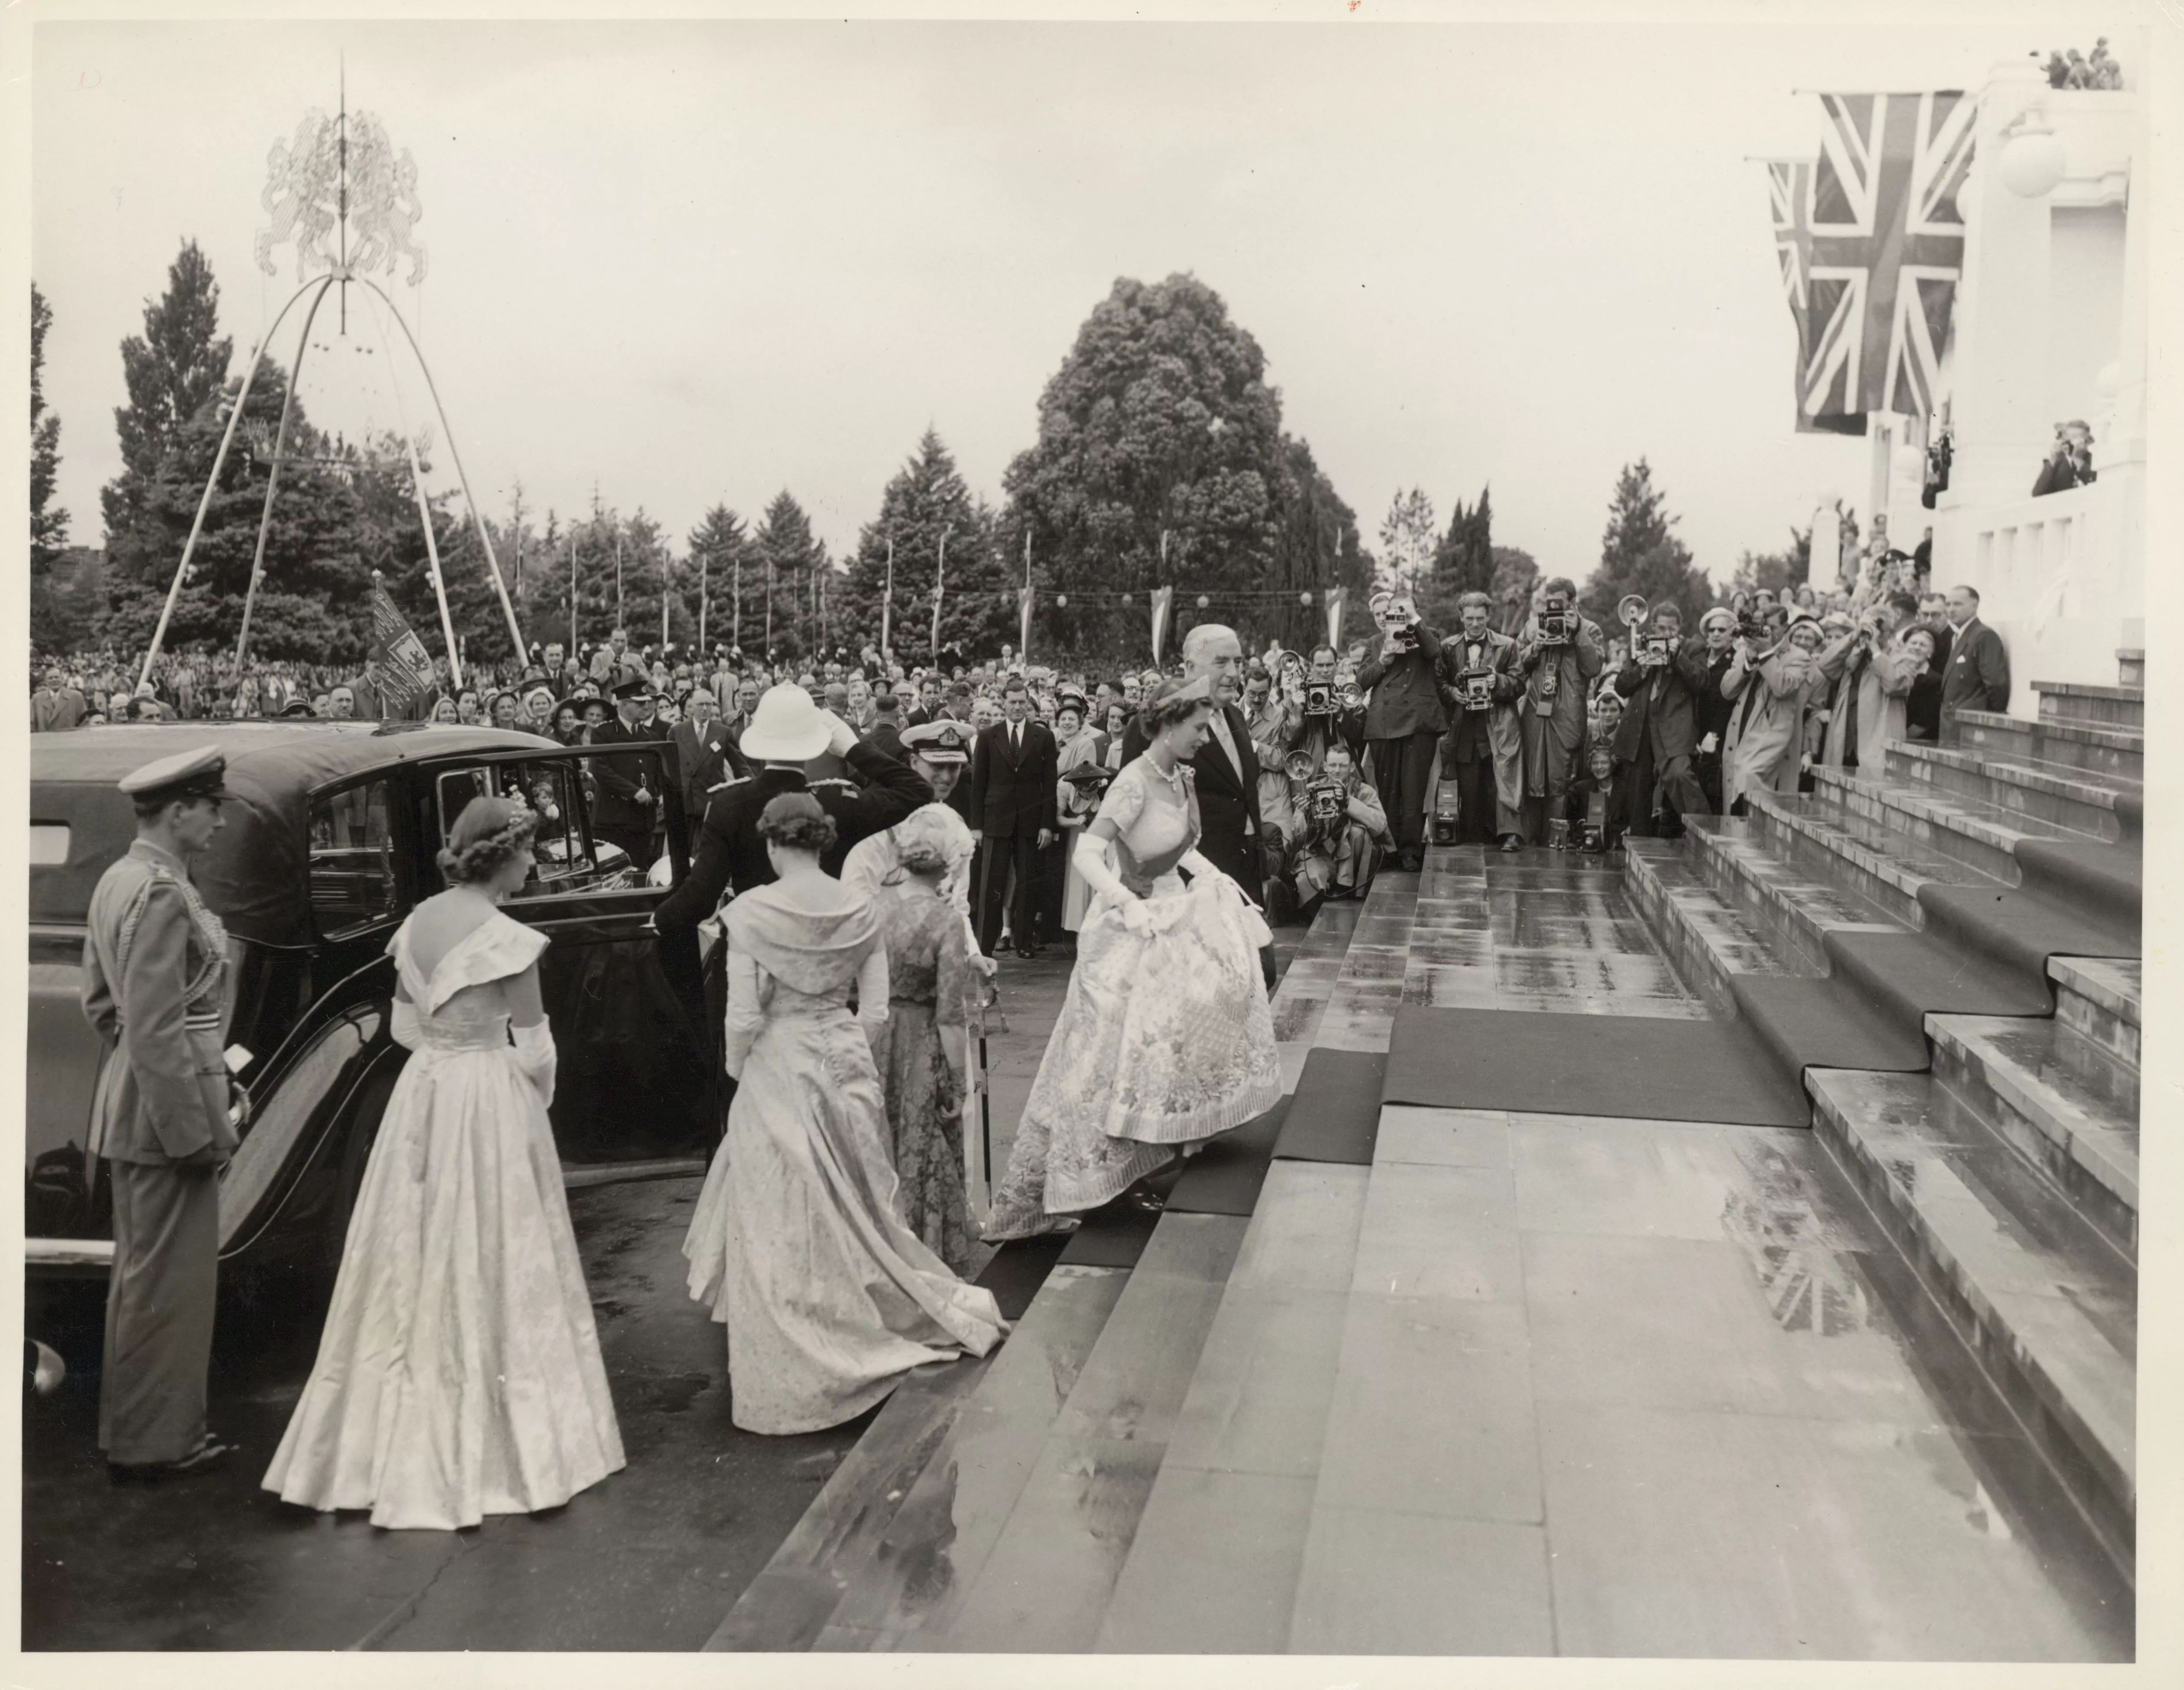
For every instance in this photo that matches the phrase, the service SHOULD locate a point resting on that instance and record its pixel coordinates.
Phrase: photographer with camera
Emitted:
(1342, 831)
(1557, 657)
(1872, 672)
(1710, 711)
(1324, 714)
(1770, 688)
(1658, 735)
(1601, 804)
(1483, 750)
(1404, 719)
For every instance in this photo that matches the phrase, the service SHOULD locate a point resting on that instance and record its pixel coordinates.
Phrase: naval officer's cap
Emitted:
(185, 776)
(938, 741)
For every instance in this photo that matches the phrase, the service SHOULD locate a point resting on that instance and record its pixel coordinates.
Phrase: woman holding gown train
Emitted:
(1166, 1038)
(797, 1244)
(458, 1373)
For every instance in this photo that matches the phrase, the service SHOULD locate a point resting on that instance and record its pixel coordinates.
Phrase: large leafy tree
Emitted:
(926, 499)
(51, 623)
(1158, 434)
(1641, 553)
(1318, 550)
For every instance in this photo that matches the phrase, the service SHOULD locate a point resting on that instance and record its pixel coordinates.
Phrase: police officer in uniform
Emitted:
(627, 810)
(786, 731)
(154, 988)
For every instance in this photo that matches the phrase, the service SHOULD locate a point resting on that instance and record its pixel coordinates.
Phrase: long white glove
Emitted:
(1093, 863)
(536, 1056)
(402, 1025)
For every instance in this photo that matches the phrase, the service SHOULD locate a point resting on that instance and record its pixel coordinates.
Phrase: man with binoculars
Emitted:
(1483, 750)
(1658, 735)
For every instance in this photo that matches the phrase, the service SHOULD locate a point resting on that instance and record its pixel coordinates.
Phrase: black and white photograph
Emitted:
(1305, 840)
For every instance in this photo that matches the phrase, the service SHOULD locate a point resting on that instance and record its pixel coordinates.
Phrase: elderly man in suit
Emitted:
(1979, 663)
(154, 985)
(705, 751)
(1013, 806)
(1231, 836)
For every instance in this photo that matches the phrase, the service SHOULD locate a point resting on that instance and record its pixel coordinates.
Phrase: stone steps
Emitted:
(1707, 937)
(2077, 700)
(2062, 1102)
(1940, 823)
(2099, 997)
(2076, 799)
(2071, 745)
(2044, 1301)
(1795, 907)
(1867, 860)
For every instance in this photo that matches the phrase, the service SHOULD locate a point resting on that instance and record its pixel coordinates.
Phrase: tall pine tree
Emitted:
(790, 558)
(1641, 553)
(927, 497)
(721, 551)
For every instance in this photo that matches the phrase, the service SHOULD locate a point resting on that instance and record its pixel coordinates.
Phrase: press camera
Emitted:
(1326, 802)
(1557, 625)
(1475, 689)
(1319, 699)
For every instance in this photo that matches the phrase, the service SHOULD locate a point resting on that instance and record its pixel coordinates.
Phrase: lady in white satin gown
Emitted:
(1166, 1038)
(459, 1372)
(797, 1244)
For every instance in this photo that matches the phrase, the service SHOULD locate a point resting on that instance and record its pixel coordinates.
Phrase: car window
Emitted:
(564, 857)
(353, 882)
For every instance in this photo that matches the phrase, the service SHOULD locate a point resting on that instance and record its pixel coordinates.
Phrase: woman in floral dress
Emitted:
(1166, 1038)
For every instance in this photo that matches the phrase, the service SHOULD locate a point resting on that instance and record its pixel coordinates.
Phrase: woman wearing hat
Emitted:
(1769, 692)
(1165, 1038)
(1079, 746)
(459, 1372)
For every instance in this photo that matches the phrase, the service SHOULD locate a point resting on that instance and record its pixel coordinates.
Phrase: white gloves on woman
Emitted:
(536, 1056)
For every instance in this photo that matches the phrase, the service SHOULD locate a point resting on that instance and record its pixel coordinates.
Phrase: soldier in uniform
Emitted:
(154, 988)
(627, 811)
(786, 731)
(939, 752)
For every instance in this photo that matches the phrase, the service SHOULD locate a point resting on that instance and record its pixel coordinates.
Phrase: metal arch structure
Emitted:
(302, 180)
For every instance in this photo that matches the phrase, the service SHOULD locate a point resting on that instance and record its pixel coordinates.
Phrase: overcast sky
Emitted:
(698, 263)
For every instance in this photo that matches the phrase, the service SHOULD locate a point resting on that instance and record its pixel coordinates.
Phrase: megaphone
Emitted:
(1631, 613)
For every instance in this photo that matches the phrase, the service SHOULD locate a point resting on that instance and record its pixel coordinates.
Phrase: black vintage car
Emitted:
(330, 839)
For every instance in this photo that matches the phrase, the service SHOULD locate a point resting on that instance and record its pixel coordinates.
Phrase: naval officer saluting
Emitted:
(154, 987)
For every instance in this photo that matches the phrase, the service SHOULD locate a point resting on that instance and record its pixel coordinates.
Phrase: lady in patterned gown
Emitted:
(796, 1244)
(932, 985)
(459, 1372)
(1166, 1038)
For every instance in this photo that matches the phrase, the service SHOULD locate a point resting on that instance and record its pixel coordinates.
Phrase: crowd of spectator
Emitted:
(1324, 763)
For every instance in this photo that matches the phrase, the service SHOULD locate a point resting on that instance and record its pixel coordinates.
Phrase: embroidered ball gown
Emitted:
(1166, 1038)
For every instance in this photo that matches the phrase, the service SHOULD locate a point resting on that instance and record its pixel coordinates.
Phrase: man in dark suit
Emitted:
(1659, 731)
(1484, 751)
(885, 734)
(627, 810)
(1230, 828)
(1922, 708)
(1013, 801)
(705, 752)
(1404, 719)
(1979, 664)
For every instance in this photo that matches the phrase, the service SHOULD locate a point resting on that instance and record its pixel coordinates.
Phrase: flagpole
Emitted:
(1023, 634)
(887, 600)
(572, 591)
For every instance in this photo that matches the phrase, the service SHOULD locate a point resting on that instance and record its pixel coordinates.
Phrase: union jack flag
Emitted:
(1871, 245)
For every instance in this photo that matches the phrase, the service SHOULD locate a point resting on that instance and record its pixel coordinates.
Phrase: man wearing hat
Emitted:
(627, 811)
(939, 752)
(786, 731)
(154, 988)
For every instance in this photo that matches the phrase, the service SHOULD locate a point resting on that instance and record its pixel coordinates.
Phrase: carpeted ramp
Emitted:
(1537, 1061)
(1334, 1114)
(1224, 1177)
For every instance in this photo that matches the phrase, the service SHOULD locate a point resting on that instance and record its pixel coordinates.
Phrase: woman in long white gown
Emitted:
(1166, 1038)
(797, 1245)
(458, 1374)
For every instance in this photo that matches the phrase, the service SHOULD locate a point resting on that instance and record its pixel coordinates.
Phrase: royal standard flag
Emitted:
(401, 669)
(1873, 245)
